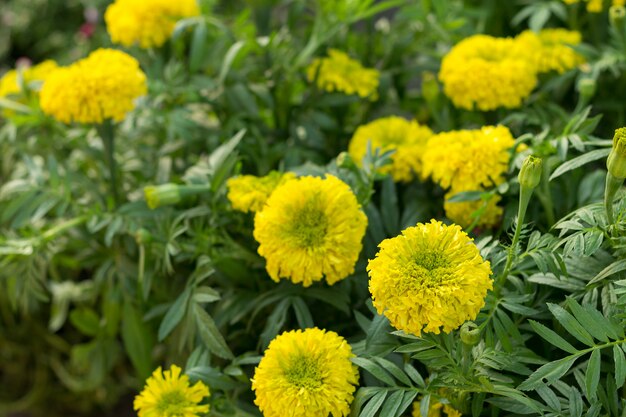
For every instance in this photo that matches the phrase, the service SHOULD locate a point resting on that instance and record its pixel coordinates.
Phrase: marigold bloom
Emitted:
(552, 47)
(596, 6)
(310, 228)
(339, 72)
(429, 278)
(435, 409)
(169, 394)
(407, 138)
(462, 212)
(249, 193)
(102, 86)
(486, 72)
(9, 83)
(468, 160)
(148, 23)
(306, 373)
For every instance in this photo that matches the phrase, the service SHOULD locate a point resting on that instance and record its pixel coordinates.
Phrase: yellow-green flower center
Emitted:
(172, 404)
(308, 226)
(304, 372)
(429, 269)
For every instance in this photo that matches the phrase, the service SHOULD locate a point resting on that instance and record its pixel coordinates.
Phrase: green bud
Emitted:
(162, 195)
(470, 333)
(430, 86)
(344, 160)
(586, 87)
(617, 15)
(616, 162)
(142, 236)
(530, 174)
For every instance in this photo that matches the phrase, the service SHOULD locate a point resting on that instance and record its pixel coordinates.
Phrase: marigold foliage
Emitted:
(102, 86)
(436, 409)
(429, 278)
(306, 373)
(407, 138)
(147, 23)
(467, 160)
(249, 193)
(10, 82)
(339, 72)
(169, 394)
(485, 72)
(553, 49)
(310, 228)
(462, 212)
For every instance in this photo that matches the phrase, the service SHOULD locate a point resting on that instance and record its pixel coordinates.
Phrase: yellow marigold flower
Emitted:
(169, 394)
(618, 3)
(467, 160)
(102, 86)
(462, 212)
(338, 72)
(310, 228)
(595, 6)
(148, 23)
(486, 72)
(428, 278)
(306, 373)
(435, 410)
(553, 51)
(9, 83)
(249, 193)
(407, 138)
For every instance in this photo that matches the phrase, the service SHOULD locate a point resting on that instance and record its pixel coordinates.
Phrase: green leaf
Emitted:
(414, 375)
(593, 324)
(174, 315)
(210, 335)
(620, 366)
(575, 403)
(362, 395)
(394, 370)
(389, 206)
(550, 372)
(571, 324)
(552, 337)
(373, 405)
(592, 375)
(138, 341)
(205, 295)
(229, 58)
(580, 161)
(86, 321)
(197, 49)
(303, 314)
(376, 370)
(392, 404)
(614, 268)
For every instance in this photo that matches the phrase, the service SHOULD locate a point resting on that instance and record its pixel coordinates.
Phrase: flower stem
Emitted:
(107, 134)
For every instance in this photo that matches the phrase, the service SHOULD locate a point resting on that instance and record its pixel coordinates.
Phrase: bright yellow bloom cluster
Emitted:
(306, 373)
(463, 212)
(10, 83)
(486, 72)
(469, 160)
(596, 6)
(102, 86)
(169, 394)
(435, 410)
(148, 23)
(407, 138)
(339, 72)
(429, 278)
(552, 49)
(249, 193)
(310, 228)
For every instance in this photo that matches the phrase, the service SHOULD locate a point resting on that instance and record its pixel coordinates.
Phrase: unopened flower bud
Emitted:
(530, 173)
(344, 160)
(470, 333)
(617, 15)
(587, 88)
(430, 86)
(142, 236)
(616, 162)
(162, 195)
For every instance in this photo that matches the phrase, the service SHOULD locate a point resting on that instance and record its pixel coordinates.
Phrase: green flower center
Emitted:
(308, 226)
(429, 269)
(304, 372)
(172, 404)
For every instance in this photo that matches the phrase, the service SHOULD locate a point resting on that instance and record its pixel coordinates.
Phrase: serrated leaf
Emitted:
(303, 314)
(580, 161)
(592, 375)
(373, 405)
(376, 370)
(210, 335)
(549, 372)
(138, 341)
(570, 324)
(552, 337)
(392, 404)
(590, 322)
(394, 370)
(174, 314)
(614, 268)
(620, 366)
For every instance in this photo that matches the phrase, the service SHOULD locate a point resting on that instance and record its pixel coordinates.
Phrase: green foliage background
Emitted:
(93, 297)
